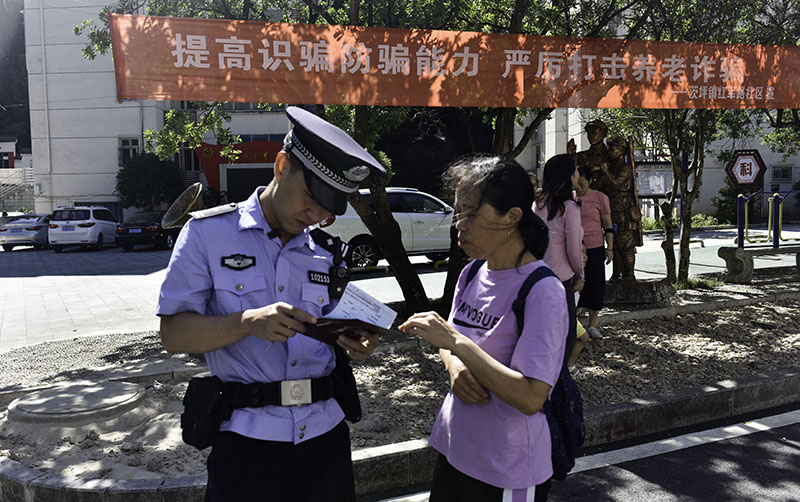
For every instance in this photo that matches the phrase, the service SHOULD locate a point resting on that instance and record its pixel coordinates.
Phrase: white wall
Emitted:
(76, 121)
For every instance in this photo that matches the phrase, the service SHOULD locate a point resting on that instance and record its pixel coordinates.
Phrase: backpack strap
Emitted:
(519, 304)
(473, 270)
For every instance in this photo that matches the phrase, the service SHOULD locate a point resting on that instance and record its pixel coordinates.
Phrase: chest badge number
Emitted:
(318, 277)
(238, 261)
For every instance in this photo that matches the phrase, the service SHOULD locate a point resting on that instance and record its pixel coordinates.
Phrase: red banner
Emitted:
(225, 60)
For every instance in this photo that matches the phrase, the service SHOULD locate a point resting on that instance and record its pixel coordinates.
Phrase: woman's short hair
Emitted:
(503, 184)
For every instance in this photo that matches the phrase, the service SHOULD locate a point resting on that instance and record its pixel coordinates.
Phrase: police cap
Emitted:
(334, 163)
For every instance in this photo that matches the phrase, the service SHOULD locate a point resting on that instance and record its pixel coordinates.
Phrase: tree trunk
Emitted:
(669, 238)
(382, 225)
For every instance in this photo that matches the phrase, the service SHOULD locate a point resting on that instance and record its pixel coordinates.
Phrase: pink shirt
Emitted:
(592, 207)
(495, 442)
(564, 254)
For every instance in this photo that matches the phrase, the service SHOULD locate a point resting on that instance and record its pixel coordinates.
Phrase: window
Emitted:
(247, 138)
(782, 174)
(421, 204)
(70, 214)
(5, 160)
(187, 159)
(128, 149)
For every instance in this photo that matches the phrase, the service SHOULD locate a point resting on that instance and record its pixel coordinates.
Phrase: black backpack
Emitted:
(564, 407)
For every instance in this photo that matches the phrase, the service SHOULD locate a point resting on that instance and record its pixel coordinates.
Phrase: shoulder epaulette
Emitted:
(213, 211)
(327, 241)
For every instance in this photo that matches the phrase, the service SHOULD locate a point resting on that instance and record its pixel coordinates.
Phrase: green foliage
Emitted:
(704, 220)
(725, 203)
(797, 195)
(784, 140)
(698, 283)
(652, 223)
(24, 210)
(146, 181)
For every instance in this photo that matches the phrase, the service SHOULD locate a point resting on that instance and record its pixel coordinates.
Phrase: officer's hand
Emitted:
(361, 348)
(277, 322)
(464, 384)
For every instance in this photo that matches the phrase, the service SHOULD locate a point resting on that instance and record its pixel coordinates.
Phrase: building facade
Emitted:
(80, 133)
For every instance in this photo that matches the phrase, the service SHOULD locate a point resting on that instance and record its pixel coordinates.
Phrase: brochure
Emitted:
(356, 311)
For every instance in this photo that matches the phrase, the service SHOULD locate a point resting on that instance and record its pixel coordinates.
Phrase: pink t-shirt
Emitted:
(564, 253)
(495, 442)
(592, 207)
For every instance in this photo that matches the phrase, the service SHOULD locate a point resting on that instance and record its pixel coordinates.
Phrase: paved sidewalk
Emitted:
(47, 296)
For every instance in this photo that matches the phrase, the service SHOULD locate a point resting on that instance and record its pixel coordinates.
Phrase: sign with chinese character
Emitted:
(653, 179)
(747, 169)
(229, 60)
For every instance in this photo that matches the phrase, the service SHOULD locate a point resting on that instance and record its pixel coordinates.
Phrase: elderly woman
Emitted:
(493, 439)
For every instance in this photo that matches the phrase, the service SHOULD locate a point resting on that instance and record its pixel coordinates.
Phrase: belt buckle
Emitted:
(296, 392)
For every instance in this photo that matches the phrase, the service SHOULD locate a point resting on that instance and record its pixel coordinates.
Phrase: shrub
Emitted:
(703, 220)
(147, 182)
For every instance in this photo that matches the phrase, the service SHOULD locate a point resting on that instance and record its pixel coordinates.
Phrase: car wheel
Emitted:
(434, 257)
(57, 248)
(168, 242)
(363, 252)
(99, 245)
(127, 247)
(7, 248)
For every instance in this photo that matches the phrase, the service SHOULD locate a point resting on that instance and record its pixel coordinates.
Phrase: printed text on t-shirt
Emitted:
(482, 320)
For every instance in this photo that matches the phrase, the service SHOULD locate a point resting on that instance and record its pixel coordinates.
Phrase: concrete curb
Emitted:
(632, 315)
(410, 464)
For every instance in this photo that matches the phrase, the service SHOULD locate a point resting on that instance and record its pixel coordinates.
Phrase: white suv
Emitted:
(424, 225)
(84, 226)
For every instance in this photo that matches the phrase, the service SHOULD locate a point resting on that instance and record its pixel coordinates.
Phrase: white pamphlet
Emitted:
(356, 303)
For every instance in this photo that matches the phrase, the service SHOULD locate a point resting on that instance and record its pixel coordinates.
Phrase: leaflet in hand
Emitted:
(356, 311)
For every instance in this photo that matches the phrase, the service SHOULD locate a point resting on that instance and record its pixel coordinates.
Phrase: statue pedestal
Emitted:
(642, 292)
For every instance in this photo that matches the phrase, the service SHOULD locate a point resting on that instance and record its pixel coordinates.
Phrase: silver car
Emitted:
(25, 230)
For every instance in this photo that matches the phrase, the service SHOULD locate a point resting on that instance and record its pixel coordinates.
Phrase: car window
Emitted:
(19, 219)
(398, 202)
(419, 203)
(70, 214)
(104, 215)
(150, 217)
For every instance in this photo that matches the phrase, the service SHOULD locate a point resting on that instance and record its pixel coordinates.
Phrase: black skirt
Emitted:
(594, 288)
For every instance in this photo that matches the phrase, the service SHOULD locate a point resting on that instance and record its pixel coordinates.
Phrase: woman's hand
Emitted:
(432, 328)
(609, 255)
(464, 384)
(359, 349)
(578, 286)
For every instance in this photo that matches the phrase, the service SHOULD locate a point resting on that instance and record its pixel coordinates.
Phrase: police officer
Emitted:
(242, 282)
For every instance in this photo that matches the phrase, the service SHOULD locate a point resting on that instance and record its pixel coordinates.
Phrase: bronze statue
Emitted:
(617, 180)
(597, 154)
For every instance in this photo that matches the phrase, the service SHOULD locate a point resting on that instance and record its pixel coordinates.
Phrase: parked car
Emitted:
(24, 230)
(94, 226)
(145, 228)
(424, 225)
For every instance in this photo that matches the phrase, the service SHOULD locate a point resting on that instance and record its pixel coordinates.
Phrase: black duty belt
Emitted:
(285, 393)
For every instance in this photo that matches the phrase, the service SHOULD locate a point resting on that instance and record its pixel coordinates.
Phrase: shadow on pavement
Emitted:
(73, 261)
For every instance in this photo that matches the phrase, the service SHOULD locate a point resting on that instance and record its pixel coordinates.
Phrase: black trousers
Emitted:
(452, 485)
(573, 320)
(246, 469)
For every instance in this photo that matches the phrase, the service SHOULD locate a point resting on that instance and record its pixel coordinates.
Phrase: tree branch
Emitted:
(316, 9)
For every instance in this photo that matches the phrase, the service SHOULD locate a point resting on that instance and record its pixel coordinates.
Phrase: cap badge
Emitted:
(357, 173)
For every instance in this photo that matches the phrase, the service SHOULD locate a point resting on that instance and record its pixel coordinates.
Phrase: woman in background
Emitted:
(556, 206)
